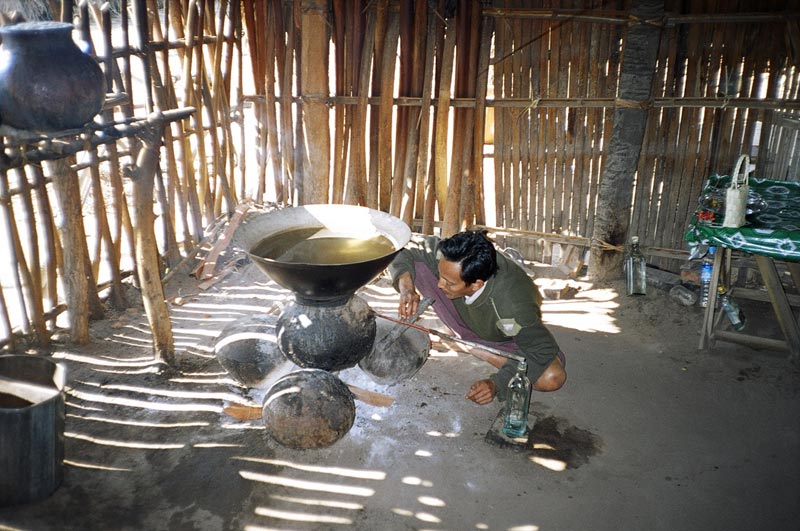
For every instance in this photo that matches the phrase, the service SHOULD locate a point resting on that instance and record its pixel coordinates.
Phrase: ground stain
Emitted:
(551, 438)
(569, 444)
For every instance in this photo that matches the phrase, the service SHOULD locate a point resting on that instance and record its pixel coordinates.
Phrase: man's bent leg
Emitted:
(553, 377)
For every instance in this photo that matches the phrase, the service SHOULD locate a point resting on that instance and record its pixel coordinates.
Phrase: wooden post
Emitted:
(314, 87)
(614, 199)
(147, 259)
(76, 255)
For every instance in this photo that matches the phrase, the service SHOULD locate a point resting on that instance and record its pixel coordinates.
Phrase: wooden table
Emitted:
(771, 235)
(782, 303)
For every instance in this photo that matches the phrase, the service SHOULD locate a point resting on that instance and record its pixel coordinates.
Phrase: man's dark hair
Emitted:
(475, 253)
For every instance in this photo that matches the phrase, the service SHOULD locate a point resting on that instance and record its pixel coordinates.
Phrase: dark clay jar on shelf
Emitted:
(46, 82)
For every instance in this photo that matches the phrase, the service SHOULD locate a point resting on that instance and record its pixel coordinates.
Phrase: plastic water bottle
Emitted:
(706, 268)
(636, 269)
(518, 400)
(731, 309)
(683, 295)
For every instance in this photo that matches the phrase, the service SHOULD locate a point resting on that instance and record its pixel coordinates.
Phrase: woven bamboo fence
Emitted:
(156, 56)
(447, 114)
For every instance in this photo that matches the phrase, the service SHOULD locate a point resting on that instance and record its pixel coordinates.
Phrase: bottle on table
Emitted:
(636, 269)
(731, 309)
(518, 400)
(706, 268)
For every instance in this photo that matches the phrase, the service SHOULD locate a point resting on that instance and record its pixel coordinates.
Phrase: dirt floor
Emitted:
(648, 432)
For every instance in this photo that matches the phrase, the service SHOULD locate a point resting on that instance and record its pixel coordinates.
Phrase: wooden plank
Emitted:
(208, 265)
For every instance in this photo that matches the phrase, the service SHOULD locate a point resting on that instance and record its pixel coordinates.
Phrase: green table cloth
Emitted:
(772, 226)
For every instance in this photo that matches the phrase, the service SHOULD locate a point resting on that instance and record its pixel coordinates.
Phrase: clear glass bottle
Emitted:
(706, 269)
(731, 309)
(518, 400)
(636, 269)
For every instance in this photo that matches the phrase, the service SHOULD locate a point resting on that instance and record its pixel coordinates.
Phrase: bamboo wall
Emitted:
(448, 114)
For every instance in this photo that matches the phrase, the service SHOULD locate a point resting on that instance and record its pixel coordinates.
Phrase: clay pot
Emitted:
(310, 408)
(46, 82)
(390, 363)
(325, 337)
(248, 349)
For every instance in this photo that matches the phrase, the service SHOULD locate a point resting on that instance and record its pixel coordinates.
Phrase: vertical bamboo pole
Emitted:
(447, 196)
(314, 91)
(34, 275)
(165, 98)
(287, 116)
(385, 136)
(354, 40)
(121, 216)
(356, 193)
(524, 132)
(479, 128)
(340, 136)
(401, 120)
(437, 34)
(103, 232)
(404, 192)
(187, 162)
(300, 145)
(20, 273)
(461, 60)
(514, 204)
(470, 61)
(501, 47)
(425, 162)
(49, 259)
(374, 170)
(271, 113)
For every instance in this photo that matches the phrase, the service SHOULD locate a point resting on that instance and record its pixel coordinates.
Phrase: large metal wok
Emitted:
(323, 283)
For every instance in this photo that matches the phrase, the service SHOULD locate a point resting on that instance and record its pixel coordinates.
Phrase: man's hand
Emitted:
(409, 298)
(482, 392)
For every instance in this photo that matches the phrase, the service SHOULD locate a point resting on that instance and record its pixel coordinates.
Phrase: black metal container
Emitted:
(323, 282)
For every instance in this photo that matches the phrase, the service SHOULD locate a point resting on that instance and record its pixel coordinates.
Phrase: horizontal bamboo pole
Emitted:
(112, 133)
(624, 17)
(558, 103)
(750, 340)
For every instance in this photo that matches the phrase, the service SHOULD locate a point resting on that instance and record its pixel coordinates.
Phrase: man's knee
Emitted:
(552, 379)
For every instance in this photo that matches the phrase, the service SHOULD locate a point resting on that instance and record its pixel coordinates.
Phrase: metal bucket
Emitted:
(31, 428)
